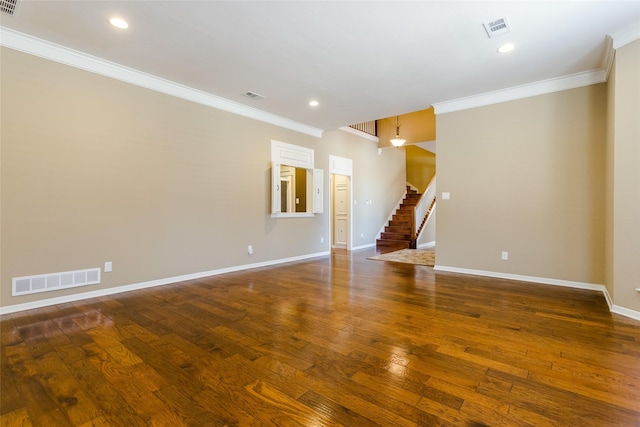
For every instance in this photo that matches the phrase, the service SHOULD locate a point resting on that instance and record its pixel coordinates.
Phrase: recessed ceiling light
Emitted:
(506, 48)
(313, 103)
(119, 23)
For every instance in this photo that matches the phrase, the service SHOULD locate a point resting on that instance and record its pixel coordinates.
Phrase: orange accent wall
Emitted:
(419, 126)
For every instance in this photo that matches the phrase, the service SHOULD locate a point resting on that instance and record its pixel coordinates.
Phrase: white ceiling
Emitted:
(361, 60)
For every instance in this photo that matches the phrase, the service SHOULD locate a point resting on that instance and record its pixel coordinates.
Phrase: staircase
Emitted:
(400, 233)
(426, 217)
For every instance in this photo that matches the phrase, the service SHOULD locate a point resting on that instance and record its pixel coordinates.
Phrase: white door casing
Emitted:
(341, 170)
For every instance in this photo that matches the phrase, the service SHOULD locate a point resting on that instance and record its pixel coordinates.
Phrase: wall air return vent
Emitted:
(54, 281)
(8, 7)
(497, 27)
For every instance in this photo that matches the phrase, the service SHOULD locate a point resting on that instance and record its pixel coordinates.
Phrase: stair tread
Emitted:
(395, 236)
(393, 243)
(398, 231)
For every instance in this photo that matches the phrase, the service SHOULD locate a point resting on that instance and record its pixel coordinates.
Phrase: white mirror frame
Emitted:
(299, 157)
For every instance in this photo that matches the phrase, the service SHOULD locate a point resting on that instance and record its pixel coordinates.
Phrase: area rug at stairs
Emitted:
(409, 256)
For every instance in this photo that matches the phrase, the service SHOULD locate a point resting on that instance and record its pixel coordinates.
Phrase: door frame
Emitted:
(341, 166)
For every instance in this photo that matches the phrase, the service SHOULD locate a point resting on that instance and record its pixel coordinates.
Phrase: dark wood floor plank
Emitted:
(180, 402)
(335, 340)
(333, 411)
(284, 406)
(18, 418)
(105, 396)
(65, 389)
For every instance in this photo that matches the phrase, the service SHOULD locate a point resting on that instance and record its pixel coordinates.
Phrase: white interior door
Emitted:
(341, 211)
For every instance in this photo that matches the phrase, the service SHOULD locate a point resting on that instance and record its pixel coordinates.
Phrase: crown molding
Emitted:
(608, 57)
(626, 35)
(61, 54)
(542, 87)
(619, 39)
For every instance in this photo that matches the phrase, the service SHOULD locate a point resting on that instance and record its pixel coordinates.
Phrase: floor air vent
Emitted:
(8, 6)
(54, 281)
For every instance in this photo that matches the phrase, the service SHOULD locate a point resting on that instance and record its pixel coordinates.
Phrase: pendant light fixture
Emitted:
(397, 141)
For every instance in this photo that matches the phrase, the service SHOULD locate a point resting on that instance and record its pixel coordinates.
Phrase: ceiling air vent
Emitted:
(497, 27)
(8, 6)
(251, 95)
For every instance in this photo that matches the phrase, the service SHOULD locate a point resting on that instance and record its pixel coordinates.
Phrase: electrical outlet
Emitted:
(108, 267)
(322, 240)
(505, 256)
(250, 249)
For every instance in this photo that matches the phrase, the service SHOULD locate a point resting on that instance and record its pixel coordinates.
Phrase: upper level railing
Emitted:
(369, 127)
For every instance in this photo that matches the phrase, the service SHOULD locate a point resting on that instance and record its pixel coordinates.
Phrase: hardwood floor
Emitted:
(338, 340)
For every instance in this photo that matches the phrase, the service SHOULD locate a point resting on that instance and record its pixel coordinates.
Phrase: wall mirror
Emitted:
(296, 187)
(293, 189)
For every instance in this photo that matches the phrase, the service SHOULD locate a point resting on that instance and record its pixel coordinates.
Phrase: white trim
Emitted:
(626, 35)
(360, 133)
(292, 155)
(625, 312)
(64, 55)
(150, 284)
(547, 281)
(607, 58)
(607, 297)
(519, 277)
(341, 166)
(542, 87)
(368, 245)
(293, 215)
(428, 245)
(616, 41)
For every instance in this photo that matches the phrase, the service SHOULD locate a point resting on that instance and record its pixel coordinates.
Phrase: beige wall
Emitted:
(623, 179)
(96, 170)
(376, 177)
(525, 177)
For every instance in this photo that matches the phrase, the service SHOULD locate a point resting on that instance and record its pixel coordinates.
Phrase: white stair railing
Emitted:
(422, 208)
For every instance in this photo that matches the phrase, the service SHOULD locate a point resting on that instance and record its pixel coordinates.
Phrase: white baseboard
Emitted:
(368, 245)
(150, 284)
(543, 280)
(547, 281)
(607, 298)
(427, 245)
(625, 312)
(160, 282)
